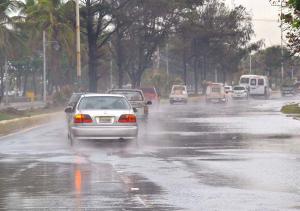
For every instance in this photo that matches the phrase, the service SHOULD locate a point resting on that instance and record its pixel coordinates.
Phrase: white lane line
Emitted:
(141, 201)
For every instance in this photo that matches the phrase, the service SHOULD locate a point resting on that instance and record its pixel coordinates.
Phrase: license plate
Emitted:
(105, 120)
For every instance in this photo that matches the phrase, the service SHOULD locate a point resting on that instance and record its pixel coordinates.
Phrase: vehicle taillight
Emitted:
(127, 118)
(82, 118)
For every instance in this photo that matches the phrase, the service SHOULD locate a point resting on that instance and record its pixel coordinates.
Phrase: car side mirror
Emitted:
(69, 109)
(135, 110)
(149, 103)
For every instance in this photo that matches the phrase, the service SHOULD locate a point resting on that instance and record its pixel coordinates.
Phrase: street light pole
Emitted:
(168, 73)
(281, 43)
(250, 63)
(44, 69)
(78, 53)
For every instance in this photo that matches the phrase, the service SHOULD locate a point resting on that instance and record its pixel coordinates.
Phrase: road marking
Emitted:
(141, 201)
(21, 131)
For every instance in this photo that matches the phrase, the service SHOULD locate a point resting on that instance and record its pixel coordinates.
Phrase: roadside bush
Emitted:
(291, 109)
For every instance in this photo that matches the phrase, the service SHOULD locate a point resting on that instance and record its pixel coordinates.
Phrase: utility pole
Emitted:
(78, 52)
(281, 43)
(167, 61)
(277, 4)
(44, 69)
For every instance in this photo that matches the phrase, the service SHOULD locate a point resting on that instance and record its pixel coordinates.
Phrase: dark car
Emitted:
(74, 99)
(136, 99)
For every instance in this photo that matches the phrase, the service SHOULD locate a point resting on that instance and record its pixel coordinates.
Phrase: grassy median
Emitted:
(291, 109)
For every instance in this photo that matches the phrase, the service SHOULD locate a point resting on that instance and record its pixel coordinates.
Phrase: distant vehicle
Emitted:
(215, 93)
(74, 99)
(178, 94)
(228, 89)
(151, 94)
(297, 87)
(287, 90)
(136, 99)
(257, 85)
(100, 116)
(240, 92)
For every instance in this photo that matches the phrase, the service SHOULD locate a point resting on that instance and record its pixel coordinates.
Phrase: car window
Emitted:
(179, 90)
(253, 82)
(261, 82)
(239, 88)
(244, 81)
(74, 99)
(148, 91)
(216, 89)
(130, 95)
(103, 103)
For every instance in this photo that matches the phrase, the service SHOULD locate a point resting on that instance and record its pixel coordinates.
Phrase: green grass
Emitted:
(9, 114)
(291, 109)
(5, 116)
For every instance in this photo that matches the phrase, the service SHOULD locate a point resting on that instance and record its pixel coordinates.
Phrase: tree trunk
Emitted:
(184, 68)
(2, 83)
(25, 84)
(119, 58)
(196, 75)
(92, 49)
(92, 62)
(34, 83)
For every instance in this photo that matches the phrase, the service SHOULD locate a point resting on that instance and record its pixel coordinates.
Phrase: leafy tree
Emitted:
(98, 22)
(51, 16)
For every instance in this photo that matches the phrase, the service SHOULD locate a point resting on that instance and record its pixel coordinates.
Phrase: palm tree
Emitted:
(7, 34)
(52, 17)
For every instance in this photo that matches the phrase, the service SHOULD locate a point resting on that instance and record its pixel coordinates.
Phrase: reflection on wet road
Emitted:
(240, 156)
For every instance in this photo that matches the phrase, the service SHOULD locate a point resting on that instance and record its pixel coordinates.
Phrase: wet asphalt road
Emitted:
(239, 156)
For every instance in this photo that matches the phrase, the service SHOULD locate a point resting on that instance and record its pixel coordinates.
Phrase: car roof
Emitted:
(216, 84)
(101, 95)
(130, 90)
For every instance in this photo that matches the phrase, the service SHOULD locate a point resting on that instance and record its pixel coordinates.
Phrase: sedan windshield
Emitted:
(103, 103)
(238, 88)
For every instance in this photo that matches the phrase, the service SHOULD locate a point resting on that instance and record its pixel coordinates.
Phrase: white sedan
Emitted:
(102, 116)
(240, 92)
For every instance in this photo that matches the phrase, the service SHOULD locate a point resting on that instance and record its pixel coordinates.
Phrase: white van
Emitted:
(215, 93)
(257, 85)
(178, 94)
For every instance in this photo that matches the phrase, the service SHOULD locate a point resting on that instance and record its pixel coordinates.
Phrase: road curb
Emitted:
(13, 125)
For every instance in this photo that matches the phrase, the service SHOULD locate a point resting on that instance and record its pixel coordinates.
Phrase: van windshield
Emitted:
(244, 81)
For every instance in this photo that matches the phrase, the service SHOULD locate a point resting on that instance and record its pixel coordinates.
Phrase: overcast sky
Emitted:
(263, 14)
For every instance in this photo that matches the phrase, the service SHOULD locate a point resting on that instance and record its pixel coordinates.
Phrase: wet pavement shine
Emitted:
(239, 156)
